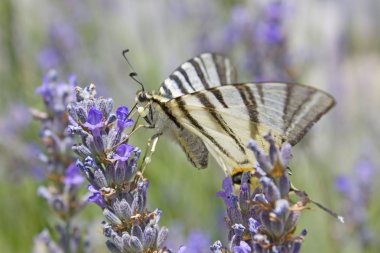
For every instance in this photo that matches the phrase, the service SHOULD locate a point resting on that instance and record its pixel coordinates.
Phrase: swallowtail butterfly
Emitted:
(207, 111)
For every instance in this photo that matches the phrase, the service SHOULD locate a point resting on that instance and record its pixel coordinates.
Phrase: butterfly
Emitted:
(205, 110)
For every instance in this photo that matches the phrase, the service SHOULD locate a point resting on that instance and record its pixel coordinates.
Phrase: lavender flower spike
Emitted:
(109, 164)
(64, 179)
(262, 219)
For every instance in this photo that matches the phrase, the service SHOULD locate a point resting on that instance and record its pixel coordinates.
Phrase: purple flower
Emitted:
(356, 190)
(261, 218)
(62, 194)
(44, 89)
(63, 43)
(48, 58)
(122, 118)
(342, 184)
(228, 191)
(270, 33)
(271, 29)
(123, 152)
(197, 242)
(115, 184)
(96, 197)
(275, 11)
(182, 249)
(242, 248)
(216, 247)
(253, 226)
(364, 172)
(73, 176)
(64, 36)
(94, 121)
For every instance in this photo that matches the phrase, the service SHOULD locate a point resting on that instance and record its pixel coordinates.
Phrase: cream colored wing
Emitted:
(225, 118)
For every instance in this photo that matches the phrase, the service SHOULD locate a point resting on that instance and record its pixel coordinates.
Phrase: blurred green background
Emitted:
(332, 45)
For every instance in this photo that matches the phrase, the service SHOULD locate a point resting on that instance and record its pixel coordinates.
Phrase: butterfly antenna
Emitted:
(133, 74)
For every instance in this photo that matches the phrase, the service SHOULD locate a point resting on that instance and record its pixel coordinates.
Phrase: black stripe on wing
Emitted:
(218, 119)
(197, 125)
(200, 73)
(287, 108)
(249, 101)
(205, 71)
(184, 74)
(179, 84)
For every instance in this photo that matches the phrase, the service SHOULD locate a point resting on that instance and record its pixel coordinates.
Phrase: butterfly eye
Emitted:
(142, 97)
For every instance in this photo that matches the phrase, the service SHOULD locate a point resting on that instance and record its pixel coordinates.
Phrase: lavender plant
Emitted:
(109, 164)
(261, 36)
(263, 219)
(356, 191)
(61, 190)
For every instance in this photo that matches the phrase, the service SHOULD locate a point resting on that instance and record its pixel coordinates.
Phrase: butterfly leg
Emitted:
(151, 147)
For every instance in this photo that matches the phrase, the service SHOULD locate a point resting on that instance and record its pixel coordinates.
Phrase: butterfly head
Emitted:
(142, 97)
(144, 106)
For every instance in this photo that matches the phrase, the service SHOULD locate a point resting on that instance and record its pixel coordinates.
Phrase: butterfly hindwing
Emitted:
(248, 111)
(193, 146)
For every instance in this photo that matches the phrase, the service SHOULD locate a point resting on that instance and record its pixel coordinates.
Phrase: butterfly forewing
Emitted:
(202, 72)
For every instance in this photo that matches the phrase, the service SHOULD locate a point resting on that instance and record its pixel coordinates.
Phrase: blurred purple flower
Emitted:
(56, 94)
(64, 35)
(356, 190)
(62, 42)
(342, 184)
(242, 248)
(73, 176)
(234, 30)
(196, 242)
(16, 119)
(364, 171)
(62, 194)
(48, 58)
(270, 33)
(182, 249)
(275, 11)
(260, 36)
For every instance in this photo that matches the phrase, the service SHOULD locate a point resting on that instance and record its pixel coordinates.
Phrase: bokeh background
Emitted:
(331, 45)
